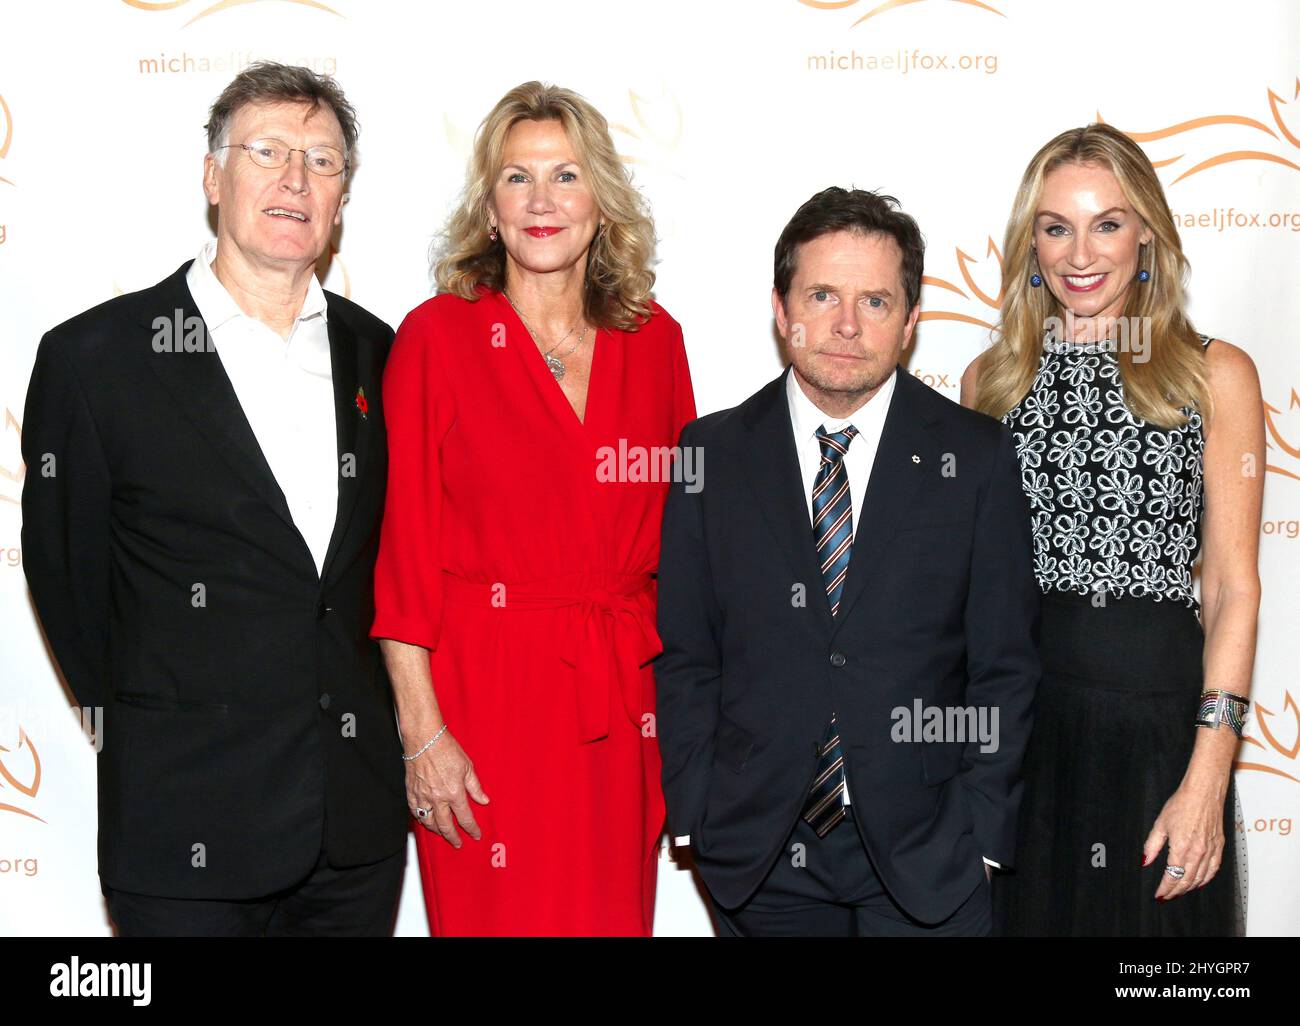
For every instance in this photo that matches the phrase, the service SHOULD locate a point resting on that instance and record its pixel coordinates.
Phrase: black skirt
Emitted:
(1113, 733)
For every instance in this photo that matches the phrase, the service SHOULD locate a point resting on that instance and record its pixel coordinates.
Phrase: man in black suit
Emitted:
(200, 520)
(848, 614)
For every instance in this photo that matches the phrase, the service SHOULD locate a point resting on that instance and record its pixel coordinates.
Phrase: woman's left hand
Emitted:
(1192, 823)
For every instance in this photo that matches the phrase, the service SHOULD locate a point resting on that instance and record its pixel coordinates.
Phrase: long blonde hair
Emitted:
(1173, 375)
(618, 274)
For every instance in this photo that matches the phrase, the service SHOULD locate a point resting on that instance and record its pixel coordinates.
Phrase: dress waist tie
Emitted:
(609, 634)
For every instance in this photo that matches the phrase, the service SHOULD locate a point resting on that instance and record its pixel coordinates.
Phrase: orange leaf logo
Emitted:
(890, 5)
(6, 133)
(1288, 724)
(16, 475)
(654, 130)
(29, 788)
(221, 5)
(1286, 139)
(980, 303)
(1283, 451)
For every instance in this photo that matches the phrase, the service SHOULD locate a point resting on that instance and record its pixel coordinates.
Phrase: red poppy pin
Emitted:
(362, 405)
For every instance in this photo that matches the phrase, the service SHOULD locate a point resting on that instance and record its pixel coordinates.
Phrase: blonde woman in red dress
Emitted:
(530, 407)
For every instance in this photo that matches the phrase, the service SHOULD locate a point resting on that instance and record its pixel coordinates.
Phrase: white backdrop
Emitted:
(730, 113)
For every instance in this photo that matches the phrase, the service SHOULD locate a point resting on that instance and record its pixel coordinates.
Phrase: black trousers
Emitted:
(360, 901)
(827, 887)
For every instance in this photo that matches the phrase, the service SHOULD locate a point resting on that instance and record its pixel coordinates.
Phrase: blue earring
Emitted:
(1144, 275)
(1035, 280)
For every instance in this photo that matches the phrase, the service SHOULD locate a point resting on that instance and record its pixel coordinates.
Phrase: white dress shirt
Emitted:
(805, 419)
(286, 390)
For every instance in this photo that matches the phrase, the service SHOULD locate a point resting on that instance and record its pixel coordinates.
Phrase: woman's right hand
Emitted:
(440, 780)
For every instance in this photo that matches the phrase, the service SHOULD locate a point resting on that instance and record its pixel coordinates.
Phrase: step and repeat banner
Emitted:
(730, 113)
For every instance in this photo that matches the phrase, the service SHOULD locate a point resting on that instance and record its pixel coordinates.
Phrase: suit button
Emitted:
(838, 660)
(325, 701)
(321, 610)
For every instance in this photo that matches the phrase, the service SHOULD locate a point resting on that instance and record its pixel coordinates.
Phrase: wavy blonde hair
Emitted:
(618, 278)
(1174, 375)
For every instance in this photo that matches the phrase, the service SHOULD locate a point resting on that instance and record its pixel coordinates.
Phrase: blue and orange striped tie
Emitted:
(832, 509)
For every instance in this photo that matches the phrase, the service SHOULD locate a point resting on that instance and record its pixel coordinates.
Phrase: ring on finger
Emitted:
(422, 812)
(1177, 872)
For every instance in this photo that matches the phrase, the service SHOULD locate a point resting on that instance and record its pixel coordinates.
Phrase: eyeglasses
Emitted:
(274, 154)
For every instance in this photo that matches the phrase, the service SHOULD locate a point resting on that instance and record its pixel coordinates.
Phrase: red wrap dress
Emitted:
(518, 546)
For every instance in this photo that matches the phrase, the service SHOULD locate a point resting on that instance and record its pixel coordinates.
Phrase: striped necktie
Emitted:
(832, 510)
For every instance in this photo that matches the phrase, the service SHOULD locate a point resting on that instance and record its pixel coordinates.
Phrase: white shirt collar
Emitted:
(217, 306)
(806, 418)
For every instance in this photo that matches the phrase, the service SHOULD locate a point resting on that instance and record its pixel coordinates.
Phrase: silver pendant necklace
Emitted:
(553, 363)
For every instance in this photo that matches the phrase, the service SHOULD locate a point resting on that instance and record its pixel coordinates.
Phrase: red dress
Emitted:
(509, 553)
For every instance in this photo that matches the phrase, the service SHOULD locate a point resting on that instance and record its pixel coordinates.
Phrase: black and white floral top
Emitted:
(1115, 503)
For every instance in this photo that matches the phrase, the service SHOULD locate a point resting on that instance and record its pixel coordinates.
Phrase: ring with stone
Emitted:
(423, 813)
(1177, 872)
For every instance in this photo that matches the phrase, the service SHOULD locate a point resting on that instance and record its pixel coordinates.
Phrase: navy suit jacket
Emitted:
(940, 607)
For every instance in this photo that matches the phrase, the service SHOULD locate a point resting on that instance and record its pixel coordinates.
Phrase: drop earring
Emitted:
(492, 233)
(1035, 279)
(1144, 275)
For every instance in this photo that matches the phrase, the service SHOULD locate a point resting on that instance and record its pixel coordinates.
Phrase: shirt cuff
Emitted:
(995, 865)
(682, 841)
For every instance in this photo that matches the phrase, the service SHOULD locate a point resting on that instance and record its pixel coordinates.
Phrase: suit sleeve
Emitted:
(1002, 660)
(408, 569)
(688, 673)
(67, 500)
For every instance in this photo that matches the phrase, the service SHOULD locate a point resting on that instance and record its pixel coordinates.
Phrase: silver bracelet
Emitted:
(427, 745)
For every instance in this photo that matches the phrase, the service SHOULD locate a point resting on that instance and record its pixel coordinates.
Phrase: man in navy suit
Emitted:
(848, 612)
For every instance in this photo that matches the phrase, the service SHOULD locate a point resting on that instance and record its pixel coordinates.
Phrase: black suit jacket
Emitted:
(245, 721)
(940, 605)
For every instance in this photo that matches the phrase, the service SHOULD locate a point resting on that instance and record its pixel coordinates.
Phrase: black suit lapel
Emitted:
(895, 476)
(202, 390)
(773, 473)
(351, 427)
